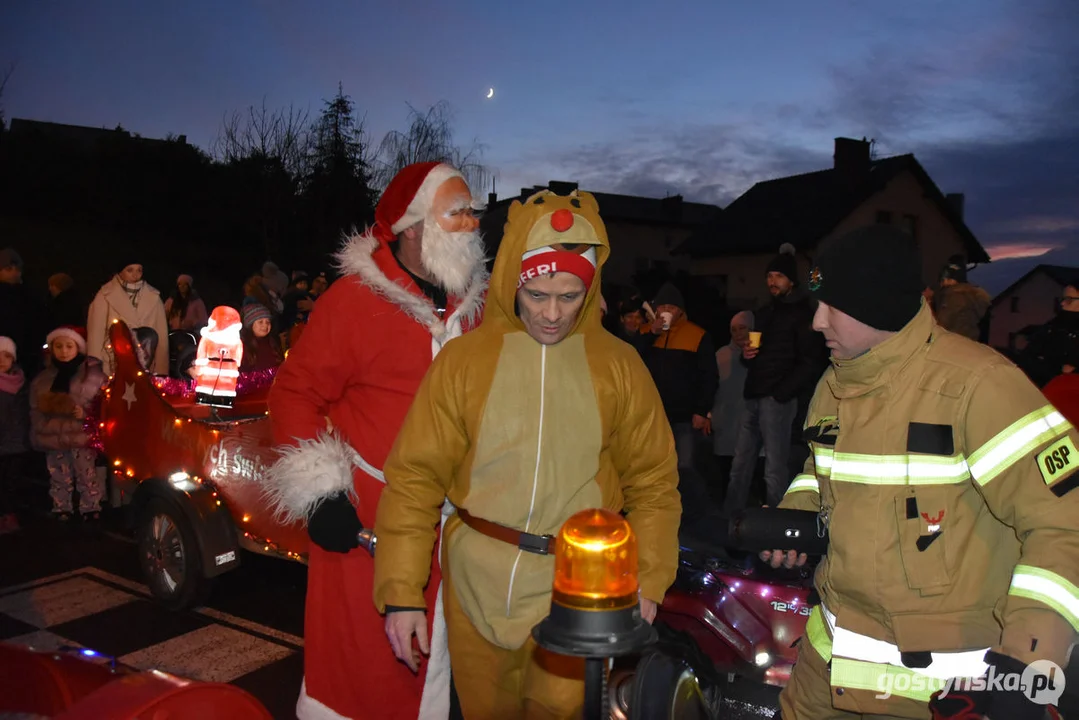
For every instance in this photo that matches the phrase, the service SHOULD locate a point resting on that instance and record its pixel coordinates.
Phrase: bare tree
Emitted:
(3, 84)
(283, 134)
(429, 138)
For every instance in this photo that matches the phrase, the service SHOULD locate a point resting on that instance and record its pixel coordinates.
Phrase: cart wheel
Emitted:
(665, 687)
(169, 556)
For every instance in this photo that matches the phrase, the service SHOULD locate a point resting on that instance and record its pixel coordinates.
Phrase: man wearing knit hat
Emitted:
(947, 484)
(782, 370)
(681, 357)
(534, 416)
(960, 305)
(410, 283)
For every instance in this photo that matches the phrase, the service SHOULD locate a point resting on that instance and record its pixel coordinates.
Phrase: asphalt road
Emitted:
(78, 586)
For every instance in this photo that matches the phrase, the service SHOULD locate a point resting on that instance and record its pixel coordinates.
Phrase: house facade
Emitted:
(1029, 302)
(643, 232)
(809, 210)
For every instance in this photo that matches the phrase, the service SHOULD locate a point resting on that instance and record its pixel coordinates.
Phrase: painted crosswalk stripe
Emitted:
(210, 654)
(60, 602)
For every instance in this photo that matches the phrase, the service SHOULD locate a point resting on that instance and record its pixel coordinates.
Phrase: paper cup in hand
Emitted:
(665, 320)
(754, 339)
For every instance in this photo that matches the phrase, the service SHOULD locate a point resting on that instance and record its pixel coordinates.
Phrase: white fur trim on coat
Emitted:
(308, 708)
(355, 258)
(307, 473)
(421, 201)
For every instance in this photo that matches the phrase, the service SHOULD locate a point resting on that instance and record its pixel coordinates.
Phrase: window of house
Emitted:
(884, 217)
(1015, 303)
(910, 224)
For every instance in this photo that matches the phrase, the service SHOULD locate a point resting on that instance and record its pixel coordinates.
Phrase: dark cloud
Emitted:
(991, 111)
(703, 163)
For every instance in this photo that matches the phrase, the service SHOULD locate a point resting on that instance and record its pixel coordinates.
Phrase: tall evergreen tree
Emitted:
(337, 188)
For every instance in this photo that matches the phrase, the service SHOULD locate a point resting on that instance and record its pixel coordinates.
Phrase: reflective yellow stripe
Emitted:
(1015, 442)
(802, 483)
(822, 460)
(817, 634)
(1049, 588)
(860, 662)
(891, 469)
(884, 679)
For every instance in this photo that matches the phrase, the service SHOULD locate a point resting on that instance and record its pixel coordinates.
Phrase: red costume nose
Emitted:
(562, 220)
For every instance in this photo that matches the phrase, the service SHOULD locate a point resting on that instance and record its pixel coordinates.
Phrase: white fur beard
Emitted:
(451, 257)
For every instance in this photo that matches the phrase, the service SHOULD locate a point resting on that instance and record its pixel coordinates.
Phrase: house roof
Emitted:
(803, 209)
(613, 207)
(1061, 274)
(77, 134)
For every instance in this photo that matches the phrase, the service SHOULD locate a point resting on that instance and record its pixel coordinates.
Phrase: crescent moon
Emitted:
(490, 93)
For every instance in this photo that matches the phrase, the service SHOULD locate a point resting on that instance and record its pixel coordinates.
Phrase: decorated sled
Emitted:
(190, 474)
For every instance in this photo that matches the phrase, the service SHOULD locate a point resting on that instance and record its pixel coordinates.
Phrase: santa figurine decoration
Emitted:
(217, 365)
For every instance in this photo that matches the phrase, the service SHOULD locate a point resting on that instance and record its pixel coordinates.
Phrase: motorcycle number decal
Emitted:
(793, 608)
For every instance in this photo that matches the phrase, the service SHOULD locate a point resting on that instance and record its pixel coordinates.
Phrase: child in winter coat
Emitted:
(261, 348)
(59, 399)
(14, 422)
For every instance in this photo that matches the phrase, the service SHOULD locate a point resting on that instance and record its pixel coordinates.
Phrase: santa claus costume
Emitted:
(217, 365)
(336, 407)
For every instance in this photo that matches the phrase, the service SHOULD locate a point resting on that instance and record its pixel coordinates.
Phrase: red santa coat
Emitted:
(366, 347)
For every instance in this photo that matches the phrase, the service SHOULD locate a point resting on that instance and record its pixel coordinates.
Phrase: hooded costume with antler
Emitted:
(336, 406)
(524, 434)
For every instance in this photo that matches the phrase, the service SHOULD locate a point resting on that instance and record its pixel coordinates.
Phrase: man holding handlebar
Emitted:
(946, 484)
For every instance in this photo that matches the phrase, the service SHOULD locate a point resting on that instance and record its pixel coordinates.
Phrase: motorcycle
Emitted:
(728, 627)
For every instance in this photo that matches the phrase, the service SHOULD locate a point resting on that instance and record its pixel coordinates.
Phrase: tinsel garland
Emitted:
(91, 425)
(247, 383)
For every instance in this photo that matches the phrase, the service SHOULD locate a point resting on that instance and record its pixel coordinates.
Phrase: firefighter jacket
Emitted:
(946, 482)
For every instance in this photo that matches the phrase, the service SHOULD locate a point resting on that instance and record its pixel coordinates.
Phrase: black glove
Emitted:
(334, 525)
(990, 700)
(959, 705)
(1015, 704)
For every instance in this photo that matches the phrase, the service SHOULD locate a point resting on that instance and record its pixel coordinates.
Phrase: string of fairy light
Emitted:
(166, 387)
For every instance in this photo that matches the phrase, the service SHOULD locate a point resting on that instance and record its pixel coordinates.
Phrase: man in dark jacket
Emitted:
(20, 313)
(1054, 347)
(681, 357)
(783, 370)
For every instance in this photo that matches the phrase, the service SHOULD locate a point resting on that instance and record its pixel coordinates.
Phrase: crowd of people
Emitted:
(466, 436)
(55, 358)
(464, 416)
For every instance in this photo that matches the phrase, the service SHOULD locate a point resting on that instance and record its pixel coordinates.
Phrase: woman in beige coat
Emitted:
(129, 298)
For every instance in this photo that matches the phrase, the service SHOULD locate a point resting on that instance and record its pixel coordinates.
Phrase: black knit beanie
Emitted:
(873, 274)
(785, 263)
(669, 295)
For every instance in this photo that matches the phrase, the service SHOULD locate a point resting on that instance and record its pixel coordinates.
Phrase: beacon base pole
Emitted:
(595, 603)
(595, 689)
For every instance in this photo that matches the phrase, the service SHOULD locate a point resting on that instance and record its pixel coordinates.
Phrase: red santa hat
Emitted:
(407, 198)
(223, 317)
(76, 334)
